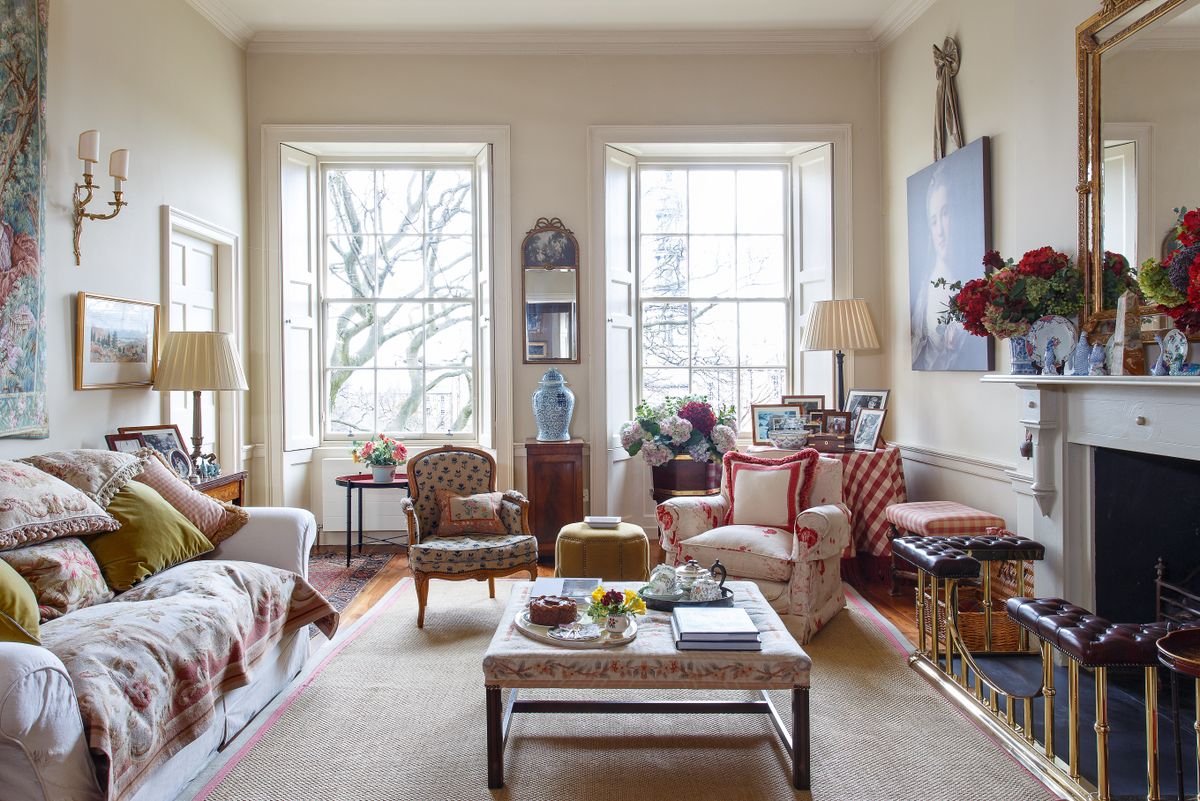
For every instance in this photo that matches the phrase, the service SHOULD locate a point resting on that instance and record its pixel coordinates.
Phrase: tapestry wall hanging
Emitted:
(22, 216)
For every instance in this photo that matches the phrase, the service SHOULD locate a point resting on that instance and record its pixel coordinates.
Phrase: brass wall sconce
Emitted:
(118, 168)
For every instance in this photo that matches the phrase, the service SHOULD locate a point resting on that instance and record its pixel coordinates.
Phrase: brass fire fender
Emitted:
(1018, 740)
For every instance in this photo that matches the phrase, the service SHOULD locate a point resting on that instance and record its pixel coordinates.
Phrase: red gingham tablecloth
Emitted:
(871, 481)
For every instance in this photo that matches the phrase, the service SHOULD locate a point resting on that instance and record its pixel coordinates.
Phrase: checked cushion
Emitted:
(470, 552)
(941, 519)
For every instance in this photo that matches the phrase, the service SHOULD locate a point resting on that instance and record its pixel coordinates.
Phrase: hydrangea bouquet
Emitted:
(681, 426)
(1174, 284)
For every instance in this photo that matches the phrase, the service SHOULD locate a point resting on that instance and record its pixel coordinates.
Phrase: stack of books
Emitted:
(713, 628)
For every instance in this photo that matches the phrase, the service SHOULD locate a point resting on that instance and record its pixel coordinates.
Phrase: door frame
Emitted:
(230, 405)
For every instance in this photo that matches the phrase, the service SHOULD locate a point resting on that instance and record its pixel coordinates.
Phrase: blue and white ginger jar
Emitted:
(553, 405)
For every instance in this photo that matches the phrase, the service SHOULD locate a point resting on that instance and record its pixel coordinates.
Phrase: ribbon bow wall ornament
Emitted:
(946, 119)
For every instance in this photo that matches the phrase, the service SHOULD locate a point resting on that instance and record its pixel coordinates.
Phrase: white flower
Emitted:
(631, 433)
(700, 452)
(676, 429)
(724, 438)
(656, 454)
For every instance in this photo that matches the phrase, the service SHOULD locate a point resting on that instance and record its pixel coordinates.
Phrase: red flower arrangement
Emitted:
(1174, 284)
(700, 415)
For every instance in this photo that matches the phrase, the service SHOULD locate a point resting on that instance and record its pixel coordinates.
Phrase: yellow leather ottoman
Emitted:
(613, 554)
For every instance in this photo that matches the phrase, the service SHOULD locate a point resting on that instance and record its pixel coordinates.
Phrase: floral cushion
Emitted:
(469, 514)
(466, 554)
(63, 574)
(463, 471)
(217, 521)
(97, 474)
(36, 506)
(761, 552)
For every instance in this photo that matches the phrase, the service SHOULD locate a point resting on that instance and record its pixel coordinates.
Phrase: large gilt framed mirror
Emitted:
(550, 288)
(1138, 125)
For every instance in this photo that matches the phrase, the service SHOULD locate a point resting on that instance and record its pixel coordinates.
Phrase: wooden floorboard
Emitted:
(898, 609)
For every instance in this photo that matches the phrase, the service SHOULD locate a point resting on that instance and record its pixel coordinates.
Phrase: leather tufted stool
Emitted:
(936, 519)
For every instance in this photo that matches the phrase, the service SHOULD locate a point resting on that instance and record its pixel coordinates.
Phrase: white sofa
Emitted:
(39, 714)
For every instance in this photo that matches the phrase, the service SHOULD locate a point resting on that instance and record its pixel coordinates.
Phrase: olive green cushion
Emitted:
(18, 608)
(153, 536)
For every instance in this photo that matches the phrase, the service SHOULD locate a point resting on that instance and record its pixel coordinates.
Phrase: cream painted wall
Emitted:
(153, 76)
(549, 102)
(1017, 85)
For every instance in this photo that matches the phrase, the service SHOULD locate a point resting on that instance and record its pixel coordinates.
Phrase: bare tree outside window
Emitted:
(715, 298)
(399, 300)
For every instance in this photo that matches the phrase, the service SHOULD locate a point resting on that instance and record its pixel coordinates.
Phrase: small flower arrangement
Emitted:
(1012, 296)
(380, 451)
(1174, 284)
(687, 425)
(606, 603)
(1119, 278)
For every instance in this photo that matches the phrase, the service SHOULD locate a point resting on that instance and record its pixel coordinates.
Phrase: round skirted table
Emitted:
(361, 482)
(1179, 651)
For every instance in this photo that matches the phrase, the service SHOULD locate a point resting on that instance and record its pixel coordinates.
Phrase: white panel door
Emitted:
(298, 176)
(192, 300)
(812, 252)
(1121, 198)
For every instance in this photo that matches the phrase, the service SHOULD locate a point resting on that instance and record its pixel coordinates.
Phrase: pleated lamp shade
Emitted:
(840, 325)
(199, 360)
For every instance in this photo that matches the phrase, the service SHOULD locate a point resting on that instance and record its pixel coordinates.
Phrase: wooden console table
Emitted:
(554, 478)
(230, 488)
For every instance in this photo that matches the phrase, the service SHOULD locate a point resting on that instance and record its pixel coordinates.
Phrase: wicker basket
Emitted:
(971, 619)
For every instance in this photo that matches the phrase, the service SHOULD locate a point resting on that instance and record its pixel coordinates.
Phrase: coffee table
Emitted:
(651, 662)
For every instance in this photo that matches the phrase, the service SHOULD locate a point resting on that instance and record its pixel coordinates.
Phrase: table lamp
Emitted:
(839, 326)
(199, 361)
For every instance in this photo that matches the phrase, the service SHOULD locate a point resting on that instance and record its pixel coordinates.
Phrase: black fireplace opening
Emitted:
(1147, 507)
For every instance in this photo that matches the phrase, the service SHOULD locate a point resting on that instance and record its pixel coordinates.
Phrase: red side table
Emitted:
(360, 482)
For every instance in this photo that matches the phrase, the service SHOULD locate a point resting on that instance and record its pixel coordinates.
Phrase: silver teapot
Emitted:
(687, 575)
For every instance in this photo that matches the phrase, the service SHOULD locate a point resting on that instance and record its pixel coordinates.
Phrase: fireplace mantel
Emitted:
(1064, 418)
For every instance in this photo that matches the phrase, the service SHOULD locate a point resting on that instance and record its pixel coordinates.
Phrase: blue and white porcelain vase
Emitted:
(1022, 356)
(553, 405)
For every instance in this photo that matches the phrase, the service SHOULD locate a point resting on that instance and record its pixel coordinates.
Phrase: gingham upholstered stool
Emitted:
(935, 519)
(613, 554)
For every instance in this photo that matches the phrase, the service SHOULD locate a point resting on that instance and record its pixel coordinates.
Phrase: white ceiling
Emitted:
(840, 20)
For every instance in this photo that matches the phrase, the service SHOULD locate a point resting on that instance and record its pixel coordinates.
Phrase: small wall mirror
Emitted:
(550, 277)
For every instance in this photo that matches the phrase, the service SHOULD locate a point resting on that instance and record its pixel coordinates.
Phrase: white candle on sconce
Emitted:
(89, 149)
(118, 168)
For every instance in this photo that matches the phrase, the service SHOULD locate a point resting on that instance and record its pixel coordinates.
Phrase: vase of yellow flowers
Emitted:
(616, 608)
(383, 454)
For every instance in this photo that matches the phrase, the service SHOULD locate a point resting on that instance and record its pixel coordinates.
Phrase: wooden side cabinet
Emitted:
(554, 476)
(229, 488)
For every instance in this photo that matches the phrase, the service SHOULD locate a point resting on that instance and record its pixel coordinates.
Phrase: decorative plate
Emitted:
(1059, 333)
(542, 633)
(1175, 346)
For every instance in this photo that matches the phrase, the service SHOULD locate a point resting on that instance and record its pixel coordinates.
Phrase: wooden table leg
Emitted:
(495, 738)
(801, 770)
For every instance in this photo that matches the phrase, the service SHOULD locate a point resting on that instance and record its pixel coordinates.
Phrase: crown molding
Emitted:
(225, 20)
(567, 43)
(898, 18)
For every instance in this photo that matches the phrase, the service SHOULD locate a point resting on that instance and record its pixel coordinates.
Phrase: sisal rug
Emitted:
(393, 713)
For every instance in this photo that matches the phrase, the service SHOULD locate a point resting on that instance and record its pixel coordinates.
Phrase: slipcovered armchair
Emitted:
(461, 556)
(798, 569)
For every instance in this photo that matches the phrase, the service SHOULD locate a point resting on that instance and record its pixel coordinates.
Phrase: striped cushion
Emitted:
(941, 519)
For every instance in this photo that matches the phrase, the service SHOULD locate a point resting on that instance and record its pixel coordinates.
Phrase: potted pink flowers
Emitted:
(383, 454)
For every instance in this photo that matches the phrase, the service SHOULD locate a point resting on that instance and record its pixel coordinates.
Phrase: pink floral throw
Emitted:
(63, 574)
(218, 521)
(36, 506)
(148, 667)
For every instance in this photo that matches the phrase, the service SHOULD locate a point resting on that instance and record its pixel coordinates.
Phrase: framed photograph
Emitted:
(535, 350)
(837, 423)
(868, 431)
(125, 443)
(949, 231)
(163, 438)
(116, 342)
(859, 399)
(549, 244)
(811, 403)
(775, 417)
(180, 463)
(817, 419)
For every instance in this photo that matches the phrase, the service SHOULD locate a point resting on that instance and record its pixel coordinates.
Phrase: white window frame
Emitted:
(789, 234)
(324, 165)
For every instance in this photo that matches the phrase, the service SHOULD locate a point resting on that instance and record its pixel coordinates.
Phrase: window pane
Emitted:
(714, 334)
(399, 400)
(759, 386)
(451, 267)
(711, 202)
(401, 334)
(351, 401)
(400, 200)
(449, 334)
(763, 332)
(349, 335)
(448, 401)
(658, 384)
(350, 206)
(760, 201)
(760, 266)
(401, 267)
(350, 267)
(711, 267)
(665, 335)
(664, 266)
(448, 201)
(664, 201)
(719, 385)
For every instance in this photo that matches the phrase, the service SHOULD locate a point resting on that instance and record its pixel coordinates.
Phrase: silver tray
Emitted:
(665, 605)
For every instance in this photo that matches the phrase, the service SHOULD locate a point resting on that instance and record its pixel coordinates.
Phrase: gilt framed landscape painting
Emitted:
(23, 410)
(116, 342)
